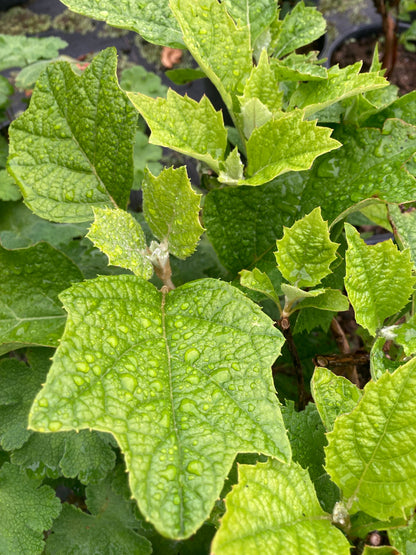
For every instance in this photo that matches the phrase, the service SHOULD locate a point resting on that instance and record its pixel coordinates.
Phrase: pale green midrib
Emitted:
(34, 318)
(381, 438)
(67, 121)
(172, 407)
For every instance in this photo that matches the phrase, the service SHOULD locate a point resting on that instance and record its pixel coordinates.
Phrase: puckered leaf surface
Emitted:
(371, 451)
(152, 20)
(285, 144)
(257, 14)
(333, 395)
(171, 209)
(342, 83)
(26, 511)
(182, 124)
(300, 27)
(378, 281)
(274, 509)
(221, 48)
(72, 149)
(109, 528)
(403, 108)
(305, 251)
(181, 380)
(298, 67)
(120, 237)
(30, 311)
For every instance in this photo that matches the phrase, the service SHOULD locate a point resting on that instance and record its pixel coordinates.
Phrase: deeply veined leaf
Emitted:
(221, 48)
(263, 85)
(274, 509)
(174, 378)
(30, 312)
(152, 20)
(404, 539)
(259, 281)
(117, 234)
(305, 252)
(334, 395)
(307, 439)
(403, 108)
(371, 451)
(171, 209)
(378, 280)
(298, 67)
(108, 527)
(283, 145)
(258, 15)
(342, 83)
(72, 149)
(182, 124)
(300, 27)
(26, 509)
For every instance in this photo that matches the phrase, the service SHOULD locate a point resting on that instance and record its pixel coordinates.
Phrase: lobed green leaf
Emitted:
(21, 51)
(274, 509)
(256, 14)
(72, 149)
(181, 383)
(371, 451)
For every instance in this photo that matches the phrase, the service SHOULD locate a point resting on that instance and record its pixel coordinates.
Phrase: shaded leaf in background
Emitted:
(370, 453)
(378, 281)
(274, 509)
(405, 228)
(30, 311)
(26, 511)
(83, 156)
(20, 51)
(180, 383)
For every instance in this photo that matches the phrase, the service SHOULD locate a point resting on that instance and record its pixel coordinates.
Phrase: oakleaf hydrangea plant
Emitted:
(149, 342)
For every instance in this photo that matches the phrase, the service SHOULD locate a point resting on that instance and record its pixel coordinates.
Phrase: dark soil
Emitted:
(404, 72)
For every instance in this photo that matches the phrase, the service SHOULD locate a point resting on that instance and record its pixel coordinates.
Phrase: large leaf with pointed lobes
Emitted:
(341, 83)
(221, 48)
(378, 280)
(30, 311)
(182, 380)
(371, 451)
(171, 209)
(182, 124)
(117, 234)
(152, 20)
(305, 252)
(257, 14)
(285, 144)
(274, 509)
(72, 149)
(333, 395)
(27, 509)
(300, 27)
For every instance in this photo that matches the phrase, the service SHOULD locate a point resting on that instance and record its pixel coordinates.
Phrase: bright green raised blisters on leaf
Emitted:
(283, 145)
(333, 395)
(300, 27)
(30, 311)
(257, 14)
(26, 509)
(117, 234)
(342, 83)
(378, 280)
(298, 67)
(182, 124)
(371, 451)
(259, 281)
(72, 148)
(274, 509)
(182, 380)
(305, 252)
(221, 48)
(152, 20)
(171, 209)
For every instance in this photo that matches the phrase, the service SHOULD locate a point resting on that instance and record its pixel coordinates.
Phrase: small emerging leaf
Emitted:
(171, 209)
(371, 451)
(333, 395)
(305, 252)
(259, 281)
(182, 124)
(403, 334)
(117, 234)
(378, 280)
(274, 509)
